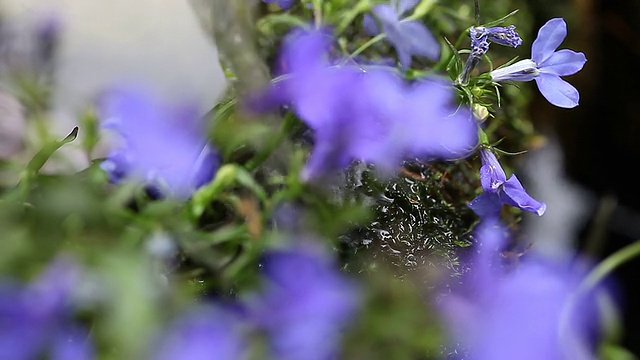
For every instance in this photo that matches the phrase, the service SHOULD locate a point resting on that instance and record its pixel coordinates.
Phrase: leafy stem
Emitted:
(476, 10)
(349, 15)
(317, 12)
(607, 266)
(364, 47)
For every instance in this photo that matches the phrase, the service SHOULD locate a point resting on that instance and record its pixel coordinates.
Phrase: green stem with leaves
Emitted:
(608, 265)
(364, 47)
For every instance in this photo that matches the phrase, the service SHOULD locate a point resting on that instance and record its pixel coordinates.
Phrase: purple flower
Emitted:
(35, 319)
(506, 36)
(498, 190)
(372, 116)
(305, 304)
(529, 313)
(547, 65)
(480, 38)
(204, 333)
(71, 344)
(408, 37)
(479, 42)
(30, 49)
(283, 4)
(162, 146)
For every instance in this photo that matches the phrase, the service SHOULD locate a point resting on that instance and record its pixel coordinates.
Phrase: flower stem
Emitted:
(365, 46)
(349, 15)
(606, 266)
(272, 143)
(317, 13)
(589, 283)
(469, 65)
(476, 9)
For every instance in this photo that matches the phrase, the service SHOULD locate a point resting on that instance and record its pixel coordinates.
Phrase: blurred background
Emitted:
(599, 138)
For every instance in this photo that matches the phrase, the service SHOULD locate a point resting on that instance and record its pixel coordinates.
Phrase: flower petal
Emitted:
(406, 5)
(557, 91)
(550, 36)
(304, 51)
(305, 304)
(563, 62)
(370, 25)
(420, 40)
(407, 37)
(436, 128)
(491, 173)
(523, 70)
(285, 4)
(486, 205)
(515, 195)
(385, 13)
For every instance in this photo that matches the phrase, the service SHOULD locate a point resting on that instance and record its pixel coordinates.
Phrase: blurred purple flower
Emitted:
(371, 116)
(36, 319)
(162, 146)
(305, 304)
(498, 190)
(29, 47)
(408, 37)
(72, 344)
(205, 333)
(547, 65)
(283, 4)
(528, 313)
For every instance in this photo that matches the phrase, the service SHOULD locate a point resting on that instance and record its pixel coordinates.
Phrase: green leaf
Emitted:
(41, 157)
(421, 10)
(348, 15)
(272, 20)
(501, 20)
(615, 352)
(227, 176)
(38, 161)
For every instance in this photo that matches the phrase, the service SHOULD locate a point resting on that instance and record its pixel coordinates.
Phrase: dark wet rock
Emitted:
(421, 220)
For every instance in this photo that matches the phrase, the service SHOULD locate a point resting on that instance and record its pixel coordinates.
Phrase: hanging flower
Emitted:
(498, 190)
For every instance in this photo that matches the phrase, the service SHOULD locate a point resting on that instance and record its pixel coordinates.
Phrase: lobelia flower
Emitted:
(480, 38)
(547, 65)
(305, 305)
(531, 312)
(372, 115)
(206, 332)
(498, 190)
(407, 37)
(283, 4)
(162, 146)
(36, 319)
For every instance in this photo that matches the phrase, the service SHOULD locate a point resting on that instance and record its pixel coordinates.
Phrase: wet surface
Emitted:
(420, 221)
